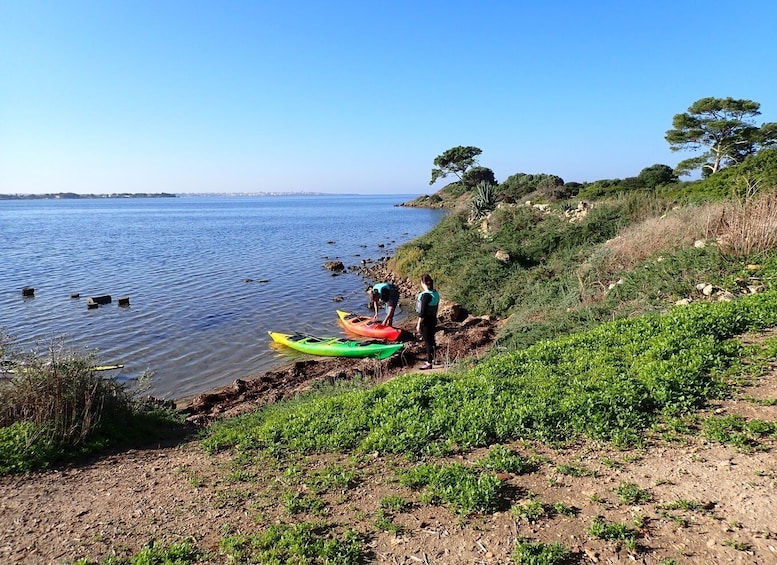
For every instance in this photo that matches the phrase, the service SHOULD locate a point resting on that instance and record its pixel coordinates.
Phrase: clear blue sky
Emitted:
(359, 96)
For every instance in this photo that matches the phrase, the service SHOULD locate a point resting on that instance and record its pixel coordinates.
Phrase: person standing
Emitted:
(389, 295)
(426, 305)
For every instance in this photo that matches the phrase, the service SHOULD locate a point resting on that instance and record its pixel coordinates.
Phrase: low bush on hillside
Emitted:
(56, 406)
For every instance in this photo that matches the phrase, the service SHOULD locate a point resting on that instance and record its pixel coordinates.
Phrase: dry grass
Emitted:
(677, 229)
(60, 394)
(742, 227)
(747, 226)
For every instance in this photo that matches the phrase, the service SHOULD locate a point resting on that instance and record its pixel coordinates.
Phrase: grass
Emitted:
(611, 383)
(56, 408)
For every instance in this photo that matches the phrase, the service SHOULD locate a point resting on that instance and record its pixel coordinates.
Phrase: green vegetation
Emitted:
(502, 460)
(484, 200)
(574, 470)
(631, 493)
(536, 553)
(175, 554)
(295, 543)
(57, 408)
(725, 127)
(465, 489)
(595, 346)
(454, 161)
(734, 429)
(610, 383)
(614, 531)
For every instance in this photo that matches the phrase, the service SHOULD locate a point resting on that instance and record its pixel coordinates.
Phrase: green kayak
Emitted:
(336, 346)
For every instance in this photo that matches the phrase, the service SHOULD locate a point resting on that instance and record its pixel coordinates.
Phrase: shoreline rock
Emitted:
(459, 336)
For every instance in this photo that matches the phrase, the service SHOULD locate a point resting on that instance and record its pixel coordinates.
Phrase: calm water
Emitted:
(193, 319)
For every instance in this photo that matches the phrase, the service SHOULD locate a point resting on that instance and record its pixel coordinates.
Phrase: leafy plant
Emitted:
(295, 543)
(631, 493)
(614, 531)
(297, 503)
(502, 460)
(530, 511)
(394, 503)
(465, 489)
(734, 429)
(384, 521)
(538, 553)
(174, 554)
(574, 470)
(484, 200)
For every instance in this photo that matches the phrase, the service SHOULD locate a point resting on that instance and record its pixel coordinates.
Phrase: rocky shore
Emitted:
(459, 336)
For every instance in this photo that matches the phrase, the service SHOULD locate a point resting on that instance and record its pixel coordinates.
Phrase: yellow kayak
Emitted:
(336, 346)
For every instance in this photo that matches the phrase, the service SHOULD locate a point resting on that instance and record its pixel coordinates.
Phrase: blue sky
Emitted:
(359, 97)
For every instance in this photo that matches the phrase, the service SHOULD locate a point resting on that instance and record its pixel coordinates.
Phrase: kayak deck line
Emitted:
(335, 346)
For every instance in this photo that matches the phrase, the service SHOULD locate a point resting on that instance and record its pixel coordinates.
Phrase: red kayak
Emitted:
(362, 325)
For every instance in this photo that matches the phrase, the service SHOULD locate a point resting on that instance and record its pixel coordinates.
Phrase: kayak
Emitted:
(336, 346)
(362, 325)
(13, 368)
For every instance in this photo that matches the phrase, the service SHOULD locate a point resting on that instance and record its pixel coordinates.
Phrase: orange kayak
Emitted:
(362, 325)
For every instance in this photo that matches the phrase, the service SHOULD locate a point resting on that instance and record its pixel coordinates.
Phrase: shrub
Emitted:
(58, 407)
(61, 395)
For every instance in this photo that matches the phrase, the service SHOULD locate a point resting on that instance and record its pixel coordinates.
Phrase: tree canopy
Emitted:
(476, 175)
(722, 126)
(656, 175)
(456, 161)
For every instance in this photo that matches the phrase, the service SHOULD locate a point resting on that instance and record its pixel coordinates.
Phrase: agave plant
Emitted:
(484, 200)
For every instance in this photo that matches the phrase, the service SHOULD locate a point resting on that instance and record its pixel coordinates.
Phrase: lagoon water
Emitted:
(191, 266)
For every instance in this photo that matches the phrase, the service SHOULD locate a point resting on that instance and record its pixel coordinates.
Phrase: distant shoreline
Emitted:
(74, 196)
(119, 195)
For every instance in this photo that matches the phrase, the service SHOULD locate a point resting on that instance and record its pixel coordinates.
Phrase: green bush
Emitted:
(57, 407)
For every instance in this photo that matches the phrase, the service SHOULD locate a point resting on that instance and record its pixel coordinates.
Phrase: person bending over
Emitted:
(388, 294)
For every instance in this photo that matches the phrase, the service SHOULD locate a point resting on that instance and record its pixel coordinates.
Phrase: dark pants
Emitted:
(428, 328)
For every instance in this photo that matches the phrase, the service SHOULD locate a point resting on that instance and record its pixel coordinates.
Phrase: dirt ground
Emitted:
(706, 502)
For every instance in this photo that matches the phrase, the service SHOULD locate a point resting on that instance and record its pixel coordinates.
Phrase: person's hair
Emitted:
(427, 280)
